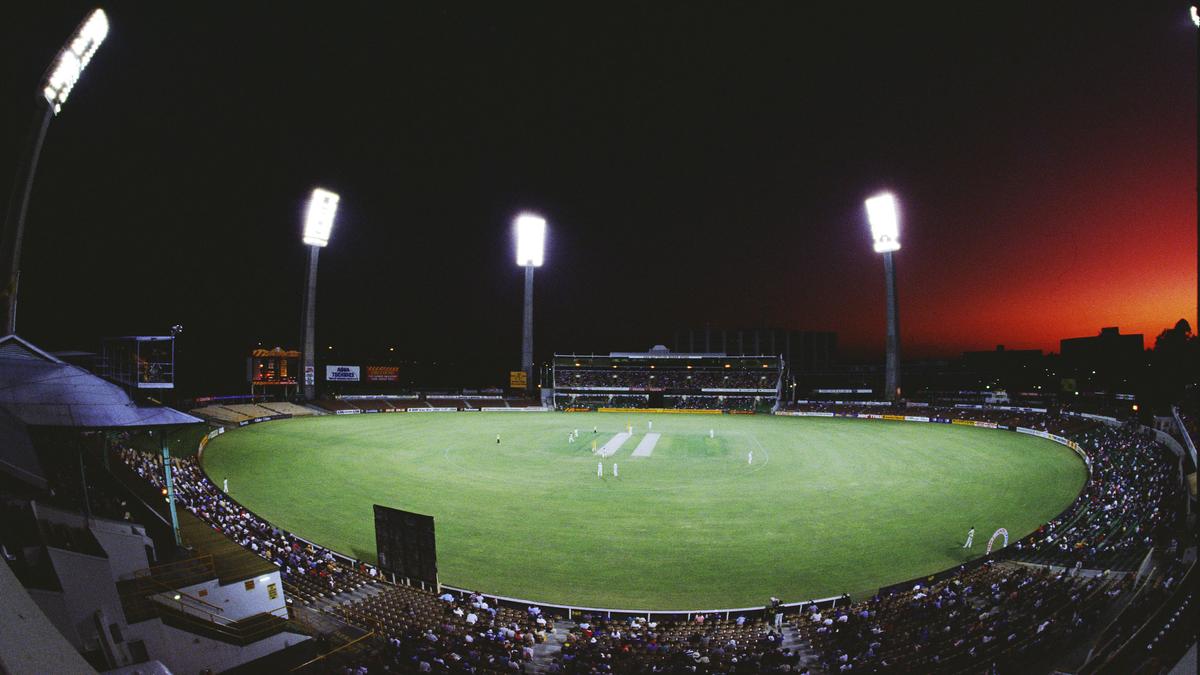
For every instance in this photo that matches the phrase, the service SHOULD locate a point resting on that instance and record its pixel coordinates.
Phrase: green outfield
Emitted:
(828, 505)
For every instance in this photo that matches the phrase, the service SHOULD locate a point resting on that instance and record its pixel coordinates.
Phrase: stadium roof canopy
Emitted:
(41, 390)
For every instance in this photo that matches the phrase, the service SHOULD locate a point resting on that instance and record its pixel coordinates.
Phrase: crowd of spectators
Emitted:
(666, 379)
(693, 402)
(705, 644)
(447, 634)
(997, 613)
(994, 614)
(1123, 505)
(299, 562)
(679, 402)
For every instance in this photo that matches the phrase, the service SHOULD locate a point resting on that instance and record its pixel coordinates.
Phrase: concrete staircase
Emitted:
(545, 653)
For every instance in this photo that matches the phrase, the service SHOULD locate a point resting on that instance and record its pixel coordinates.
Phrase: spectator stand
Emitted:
(1052, 603)
(661, 380)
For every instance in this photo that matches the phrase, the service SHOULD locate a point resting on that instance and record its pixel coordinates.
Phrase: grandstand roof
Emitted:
(42, 390)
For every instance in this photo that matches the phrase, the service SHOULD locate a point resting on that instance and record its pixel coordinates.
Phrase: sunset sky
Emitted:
(696, 165)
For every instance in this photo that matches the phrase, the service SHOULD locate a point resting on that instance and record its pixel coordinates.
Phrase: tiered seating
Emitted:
(419, 621)
(485, 403)
(334, 405)
(285, 408)
(372, 404)
(980, 616)
(638, 646)
(218, 413)
(309, 588)
(251, 410)
(408, 403)
(446, 402)
(521, 402)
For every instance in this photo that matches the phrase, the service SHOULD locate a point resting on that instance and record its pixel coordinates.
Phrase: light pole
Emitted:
(60, 78)
(531, 239)
(884, 217)
(318, 224)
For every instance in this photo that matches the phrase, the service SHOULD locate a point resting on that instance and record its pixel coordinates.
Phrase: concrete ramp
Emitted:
(646, 446)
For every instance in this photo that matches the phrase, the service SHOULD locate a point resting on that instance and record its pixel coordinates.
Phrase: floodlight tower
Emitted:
(884, 217)
(57, 83)
(318, 224)
(531, 240)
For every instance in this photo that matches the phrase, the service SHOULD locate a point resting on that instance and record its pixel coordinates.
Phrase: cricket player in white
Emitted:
(712, 434)
(616, 474)
(750, 457)
(226, 486)
(970, 537)
(599, 469)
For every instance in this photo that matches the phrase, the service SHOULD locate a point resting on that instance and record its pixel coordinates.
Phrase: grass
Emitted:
(828, 506)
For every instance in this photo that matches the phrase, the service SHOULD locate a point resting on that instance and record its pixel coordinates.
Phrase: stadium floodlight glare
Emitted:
(884, 217)
(1195, 16)
(531, 247)
(318, 224)
(531, 240)
(73, 58)
(55, 86)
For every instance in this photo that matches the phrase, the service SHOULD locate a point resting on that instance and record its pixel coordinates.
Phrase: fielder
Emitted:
(750, 457)
(497, 439)
(599, 469)
(970, 537)
(711, 434)
(616, 474)
(226, 486)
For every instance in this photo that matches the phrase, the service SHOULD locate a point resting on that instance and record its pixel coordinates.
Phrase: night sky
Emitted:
(696, 165)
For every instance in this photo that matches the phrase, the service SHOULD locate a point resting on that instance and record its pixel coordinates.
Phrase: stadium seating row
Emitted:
(241, 412)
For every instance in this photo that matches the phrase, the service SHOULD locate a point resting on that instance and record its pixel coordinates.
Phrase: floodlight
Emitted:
(73, 58)
(885, 222)
(319, 222)
(531, 239)
(1195, 16)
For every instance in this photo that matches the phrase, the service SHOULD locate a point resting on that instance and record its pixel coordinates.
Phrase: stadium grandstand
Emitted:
(1117, 548)
(1104, 587)
(661, 379)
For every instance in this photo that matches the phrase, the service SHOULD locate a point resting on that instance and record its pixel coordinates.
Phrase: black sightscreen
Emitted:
(405, 544)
